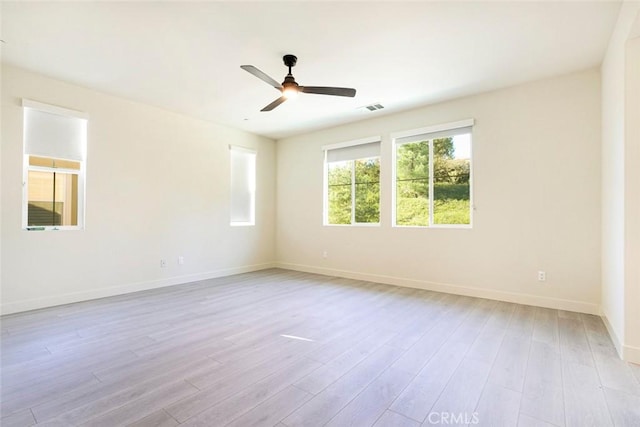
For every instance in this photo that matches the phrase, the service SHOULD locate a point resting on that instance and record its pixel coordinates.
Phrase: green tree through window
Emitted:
(353, 191)
(451, 182)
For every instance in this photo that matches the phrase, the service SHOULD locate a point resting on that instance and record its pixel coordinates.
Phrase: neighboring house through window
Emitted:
(55, 141)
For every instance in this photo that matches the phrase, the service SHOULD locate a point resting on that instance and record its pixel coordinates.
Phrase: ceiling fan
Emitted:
(290, 88)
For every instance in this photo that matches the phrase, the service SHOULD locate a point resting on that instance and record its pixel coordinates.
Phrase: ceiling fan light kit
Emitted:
(290, 88)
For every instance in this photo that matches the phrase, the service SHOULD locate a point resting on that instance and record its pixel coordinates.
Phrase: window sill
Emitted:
(352, 225)
(437, 227)
(52, 228)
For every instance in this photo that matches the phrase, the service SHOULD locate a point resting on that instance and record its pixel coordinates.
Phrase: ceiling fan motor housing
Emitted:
(289, 82)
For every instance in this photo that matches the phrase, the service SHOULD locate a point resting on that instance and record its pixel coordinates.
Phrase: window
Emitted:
(352, 183)
(433, 176)
(243, 186)
(55, 142)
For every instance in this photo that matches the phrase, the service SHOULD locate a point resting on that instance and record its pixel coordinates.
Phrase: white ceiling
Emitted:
(186, 56)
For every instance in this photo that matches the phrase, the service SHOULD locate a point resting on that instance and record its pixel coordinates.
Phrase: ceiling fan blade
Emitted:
(262, 76)
(274, 104)
(337, 91)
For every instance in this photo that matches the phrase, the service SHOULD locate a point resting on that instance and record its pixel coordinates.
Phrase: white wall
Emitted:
(632, 200)
(620, 186)
(536, 161)
(157, 187)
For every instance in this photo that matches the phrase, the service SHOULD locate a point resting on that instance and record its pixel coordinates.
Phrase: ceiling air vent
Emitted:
(374, 107)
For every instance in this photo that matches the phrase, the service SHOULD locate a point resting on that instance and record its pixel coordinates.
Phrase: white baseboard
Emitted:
(631, 354)
(51, 301)
(557, 303)
(614, 336)
(627, 353)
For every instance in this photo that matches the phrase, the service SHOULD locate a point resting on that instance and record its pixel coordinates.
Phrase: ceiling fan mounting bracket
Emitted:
(290, 60)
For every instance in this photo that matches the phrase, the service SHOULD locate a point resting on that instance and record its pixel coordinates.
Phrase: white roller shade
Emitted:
(354, 152)
(434, 135)
(49, 132)
(243, 183)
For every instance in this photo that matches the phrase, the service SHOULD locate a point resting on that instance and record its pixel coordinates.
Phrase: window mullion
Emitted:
(431, 162)
(353, 192)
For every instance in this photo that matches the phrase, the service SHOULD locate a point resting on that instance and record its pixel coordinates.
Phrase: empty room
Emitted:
(317, 213)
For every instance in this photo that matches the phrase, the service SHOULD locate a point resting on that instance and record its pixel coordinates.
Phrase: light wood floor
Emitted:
(295, 349)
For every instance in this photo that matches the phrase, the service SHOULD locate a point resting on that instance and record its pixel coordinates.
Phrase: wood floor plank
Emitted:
(542, 397)
(486, 346)
(616, 374)
(573, 341)
(624, 407)
(418, 398)
(572, 315)
(522, 321)
(274, 409)
(138, 408)
(244, 401)
(393, 419)
(419, 354)
(252, 366)
(23, 418)
(511, 362)
(635, 369)
(57, 366)
(96, 397)
(29, 398)
(585, 403)
(463, 391)
(331, 400)
(372, 402)
(332, 371)
(529, 421)
(228, 386)
(419, 323)
(498, 407)
(141, 368)
(157, 419)
(545, 328)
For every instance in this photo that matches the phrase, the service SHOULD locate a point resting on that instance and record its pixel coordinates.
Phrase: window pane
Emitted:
(243, 184)
(367, 189)
(412, 184)
(451, 188)
(339, 188)
(53, 199)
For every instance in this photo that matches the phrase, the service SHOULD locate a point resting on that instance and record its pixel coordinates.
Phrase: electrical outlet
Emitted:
(163, 263)
(542, 276)
(324, 254)
(180, 260)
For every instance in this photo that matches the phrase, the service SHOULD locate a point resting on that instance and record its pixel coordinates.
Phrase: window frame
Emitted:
(27, 167)
(325, 196)
(445, 127)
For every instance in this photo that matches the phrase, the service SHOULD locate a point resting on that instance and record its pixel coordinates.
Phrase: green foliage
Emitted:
(451, 184)
(451, 211)
(451, 201)
(339, 197)
(451, 204)
(443, 148)
(366, 189)
(412, 211)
